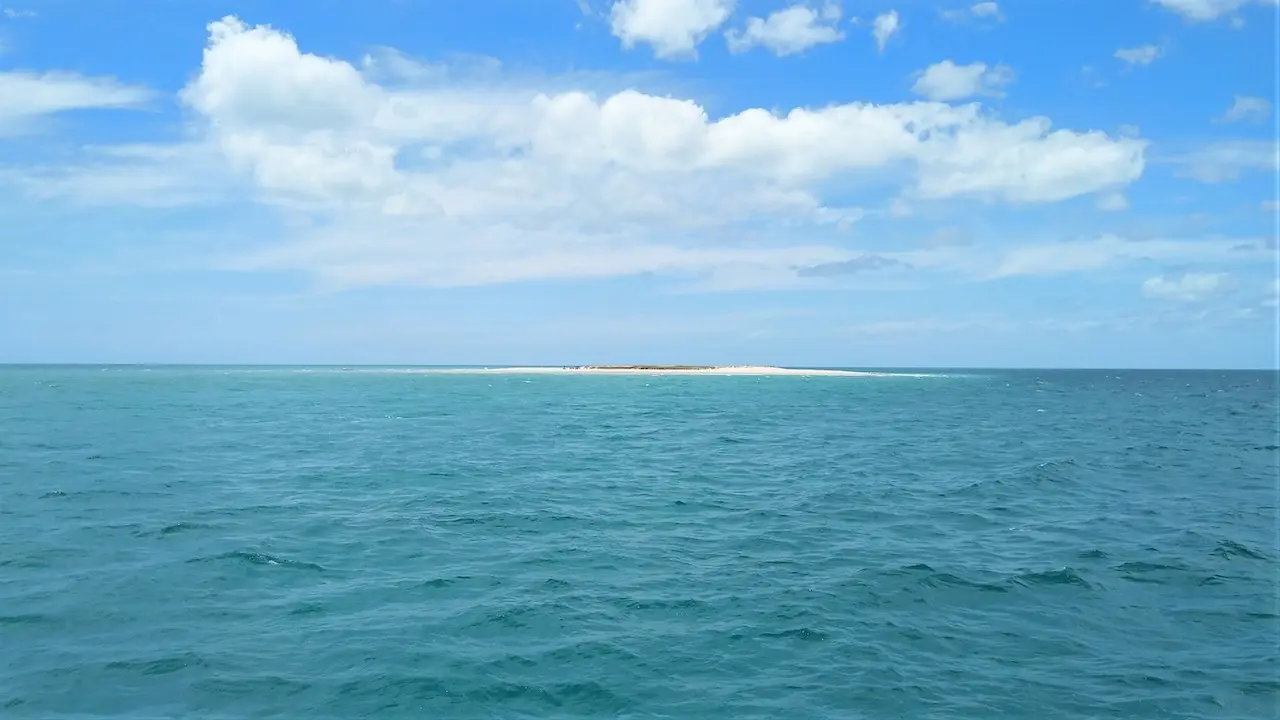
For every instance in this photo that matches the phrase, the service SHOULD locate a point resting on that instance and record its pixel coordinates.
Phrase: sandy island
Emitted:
(666, 370)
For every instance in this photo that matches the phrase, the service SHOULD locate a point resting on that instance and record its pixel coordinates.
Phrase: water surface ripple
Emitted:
(254, 542)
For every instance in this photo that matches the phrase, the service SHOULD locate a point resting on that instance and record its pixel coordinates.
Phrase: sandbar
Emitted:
(666, 370)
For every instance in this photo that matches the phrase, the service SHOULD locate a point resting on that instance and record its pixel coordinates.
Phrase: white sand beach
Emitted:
(664, 370)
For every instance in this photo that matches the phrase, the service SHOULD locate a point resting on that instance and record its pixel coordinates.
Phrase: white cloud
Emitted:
(1113, 202)
(885, 26)
(1245, 108)
(16, 14)
(921, 326)
(145, 175)
(985, 9)
(673, 28)
(982, 10)
(1090, 75)
(1227, 160)
(1062, 258)
(25, 97)
(789, 31)
(1191, 287)
(1271, 293)
(266, 100)
(356, 253)
(946, 81)
(449, 180)
(991, 163)
(978, 325)
(928, 327)
(1141, 55)
(1270, 206)
(1205, 10)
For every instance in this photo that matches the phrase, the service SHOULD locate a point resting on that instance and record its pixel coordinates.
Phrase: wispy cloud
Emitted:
(154, 176)
(1271, 293)
(1191, 287)
(26, 97)
(885, 26)
(1227, 160)
(1113, 202)
(980, 326)
(860, 264)
(1141, 55)
(1207, 10)
(989, 11)
(1062, 258)
(1245, 108)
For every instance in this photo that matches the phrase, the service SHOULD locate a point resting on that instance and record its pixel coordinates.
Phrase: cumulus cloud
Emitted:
(302, 122)
(789, 31)
(1246, 108)
(885, 26)
(947, 81)
(673, 28)
(1141, 55)
(1205, 10)
(26, 97)
(1191, 287)
(990, 164)
(445, 181)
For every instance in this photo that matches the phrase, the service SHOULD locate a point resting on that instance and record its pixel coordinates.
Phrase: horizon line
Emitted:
(29, 364)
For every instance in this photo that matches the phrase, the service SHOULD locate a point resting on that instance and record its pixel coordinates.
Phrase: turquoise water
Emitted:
(253, 543)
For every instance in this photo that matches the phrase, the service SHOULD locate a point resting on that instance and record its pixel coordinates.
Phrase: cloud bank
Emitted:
(440, 179)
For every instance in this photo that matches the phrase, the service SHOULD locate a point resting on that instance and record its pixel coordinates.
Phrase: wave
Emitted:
(260, 558)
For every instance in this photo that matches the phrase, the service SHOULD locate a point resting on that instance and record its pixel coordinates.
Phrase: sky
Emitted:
(898, 183)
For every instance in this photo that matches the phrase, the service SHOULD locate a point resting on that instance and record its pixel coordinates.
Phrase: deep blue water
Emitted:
(252, 543)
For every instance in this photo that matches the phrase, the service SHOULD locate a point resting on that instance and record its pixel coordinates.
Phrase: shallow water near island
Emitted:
(265, 542)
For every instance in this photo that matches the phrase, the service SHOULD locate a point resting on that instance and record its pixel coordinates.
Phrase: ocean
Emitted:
(222, 542)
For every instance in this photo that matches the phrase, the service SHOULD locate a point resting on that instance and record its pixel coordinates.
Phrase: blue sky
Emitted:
(858, 184)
